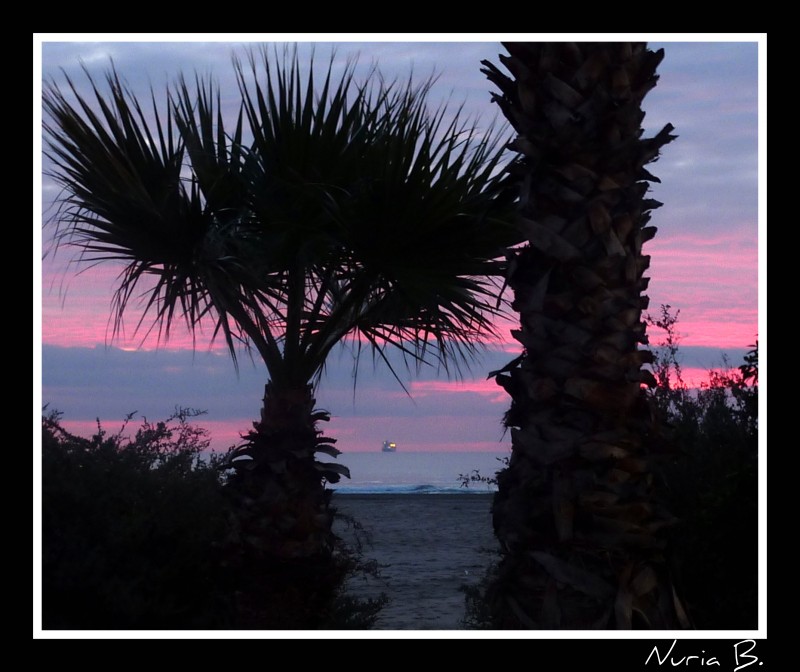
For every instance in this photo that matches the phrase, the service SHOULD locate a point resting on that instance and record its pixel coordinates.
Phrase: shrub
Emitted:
(711, 483)
(130, 528)
(135, 535)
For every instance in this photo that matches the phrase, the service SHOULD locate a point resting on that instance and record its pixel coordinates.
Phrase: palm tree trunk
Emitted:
(281, 544)
(574, 512)
(281, 478)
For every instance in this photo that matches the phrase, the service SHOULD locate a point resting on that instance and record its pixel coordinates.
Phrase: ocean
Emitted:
(416, 472)
(428, 548)
(430, 537)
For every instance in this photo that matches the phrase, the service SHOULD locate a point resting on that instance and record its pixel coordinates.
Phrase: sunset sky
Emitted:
(705, 257)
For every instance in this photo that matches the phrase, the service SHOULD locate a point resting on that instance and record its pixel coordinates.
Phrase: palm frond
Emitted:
(327, 210)
(398, 216)
(123, 197)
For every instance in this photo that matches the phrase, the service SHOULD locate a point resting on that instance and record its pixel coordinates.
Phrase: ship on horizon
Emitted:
(389, 447)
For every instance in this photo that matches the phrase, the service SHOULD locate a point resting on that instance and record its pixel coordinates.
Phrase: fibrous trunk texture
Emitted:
(574, 512)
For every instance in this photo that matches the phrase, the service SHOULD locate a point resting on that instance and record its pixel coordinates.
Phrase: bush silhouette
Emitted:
(136, 535)
(130, 528)
(711, 482)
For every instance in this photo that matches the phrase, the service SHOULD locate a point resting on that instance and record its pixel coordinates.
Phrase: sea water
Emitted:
(417, 472)
(428, 549)
(430, 537)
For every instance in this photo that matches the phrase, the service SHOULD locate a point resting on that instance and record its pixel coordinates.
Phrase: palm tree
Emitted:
(327, 213)
(574, 512)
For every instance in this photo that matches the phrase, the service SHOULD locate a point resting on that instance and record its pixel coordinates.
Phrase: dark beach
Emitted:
(428, 546)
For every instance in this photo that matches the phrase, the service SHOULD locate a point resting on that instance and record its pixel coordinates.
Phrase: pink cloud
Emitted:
(487, 388)
(713, 281)
(76, 310)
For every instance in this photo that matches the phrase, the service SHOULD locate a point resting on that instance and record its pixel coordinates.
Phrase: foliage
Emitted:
(135, 534)
(711, 482)
(129, 528)
(477, 615)
(322, 212)
(475, 476)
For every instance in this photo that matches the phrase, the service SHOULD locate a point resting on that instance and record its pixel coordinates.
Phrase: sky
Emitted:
(704, 259)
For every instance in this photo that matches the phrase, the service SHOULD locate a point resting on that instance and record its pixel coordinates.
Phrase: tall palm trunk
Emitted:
(574, 512)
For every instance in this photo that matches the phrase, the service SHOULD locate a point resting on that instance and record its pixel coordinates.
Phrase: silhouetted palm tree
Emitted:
(574, 515)
(328, 212)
